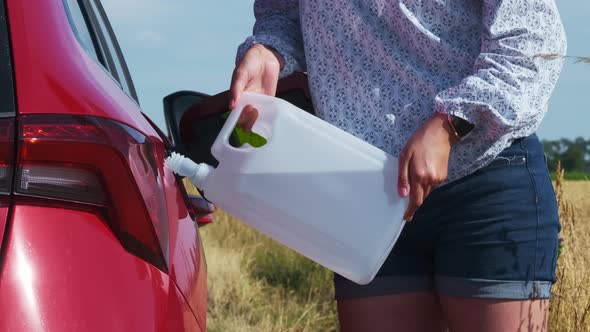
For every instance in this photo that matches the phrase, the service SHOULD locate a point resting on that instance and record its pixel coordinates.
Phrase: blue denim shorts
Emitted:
(492, 234)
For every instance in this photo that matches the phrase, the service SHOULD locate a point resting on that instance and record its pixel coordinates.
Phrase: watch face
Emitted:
(462, 127)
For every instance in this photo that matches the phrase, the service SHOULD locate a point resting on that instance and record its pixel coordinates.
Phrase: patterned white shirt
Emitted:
(380, 68)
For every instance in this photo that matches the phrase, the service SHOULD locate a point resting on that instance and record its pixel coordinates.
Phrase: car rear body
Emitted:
(96, 234)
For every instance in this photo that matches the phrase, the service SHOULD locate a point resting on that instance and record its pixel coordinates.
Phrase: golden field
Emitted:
(570, 306)
(257, 285)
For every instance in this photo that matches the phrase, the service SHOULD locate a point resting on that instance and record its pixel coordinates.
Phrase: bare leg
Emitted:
(411, 312)
(468, 314)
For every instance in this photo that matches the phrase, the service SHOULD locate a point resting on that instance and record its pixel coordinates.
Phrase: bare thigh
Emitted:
(468, 314)
(411, 312)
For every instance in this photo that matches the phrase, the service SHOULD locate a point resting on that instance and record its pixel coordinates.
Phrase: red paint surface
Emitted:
(65, 270)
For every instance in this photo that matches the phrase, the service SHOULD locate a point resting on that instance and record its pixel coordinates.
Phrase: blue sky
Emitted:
(173, 45)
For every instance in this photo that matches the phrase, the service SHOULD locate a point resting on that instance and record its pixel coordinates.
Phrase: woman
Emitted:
(456, 90)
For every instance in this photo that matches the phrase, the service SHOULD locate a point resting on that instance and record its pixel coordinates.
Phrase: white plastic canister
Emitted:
(313, 187)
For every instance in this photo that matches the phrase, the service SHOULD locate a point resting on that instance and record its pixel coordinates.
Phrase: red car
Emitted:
(96, 235)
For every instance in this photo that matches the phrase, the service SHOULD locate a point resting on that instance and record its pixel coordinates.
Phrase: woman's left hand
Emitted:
(423, 163)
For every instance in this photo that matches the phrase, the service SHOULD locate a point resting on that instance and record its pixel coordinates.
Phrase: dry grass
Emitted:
(256, 284)
(570, 306)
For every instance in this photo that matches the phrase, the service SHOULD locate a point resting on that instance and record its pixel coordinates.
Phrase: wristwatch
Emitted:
(460, 126)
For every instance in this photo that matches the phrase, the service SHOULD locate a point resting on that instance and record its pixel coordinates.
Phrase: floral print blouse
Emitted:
(380, 68)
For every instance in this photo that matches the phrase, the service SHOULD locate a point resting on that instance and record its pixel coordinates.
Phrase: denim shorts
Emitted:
(491, 234)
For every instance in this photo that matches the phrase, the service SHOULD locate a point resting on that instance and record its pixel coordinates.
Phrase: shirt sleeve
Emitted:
(278, 26)
(507, 94)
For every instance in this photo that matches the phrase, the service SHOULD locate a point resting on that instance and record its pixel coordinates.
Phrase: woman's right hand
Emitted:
(258, 71)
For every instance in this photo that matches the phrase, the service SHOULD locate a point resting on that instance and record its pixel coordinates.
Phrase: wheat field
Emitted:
(258, 285)
(570, 306)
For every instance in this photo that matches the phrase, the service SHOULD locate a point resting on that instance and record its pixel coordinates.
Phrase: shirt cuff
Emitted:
(454, 110)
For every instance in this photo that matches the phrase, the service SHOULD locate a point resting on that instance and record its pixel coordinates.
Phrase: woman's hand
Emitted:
(258, 71)
(423, 163)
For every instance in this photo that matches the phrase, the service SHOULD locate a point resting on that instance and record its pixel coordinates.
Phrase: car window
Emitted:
(6, 84)
(79, 22)
(113, 49)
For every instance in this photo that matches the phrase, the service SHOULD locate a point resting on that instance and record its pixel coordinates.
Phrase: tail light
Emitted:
(6, 155)
(89, 161)
(6, 168)
(64, 182)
